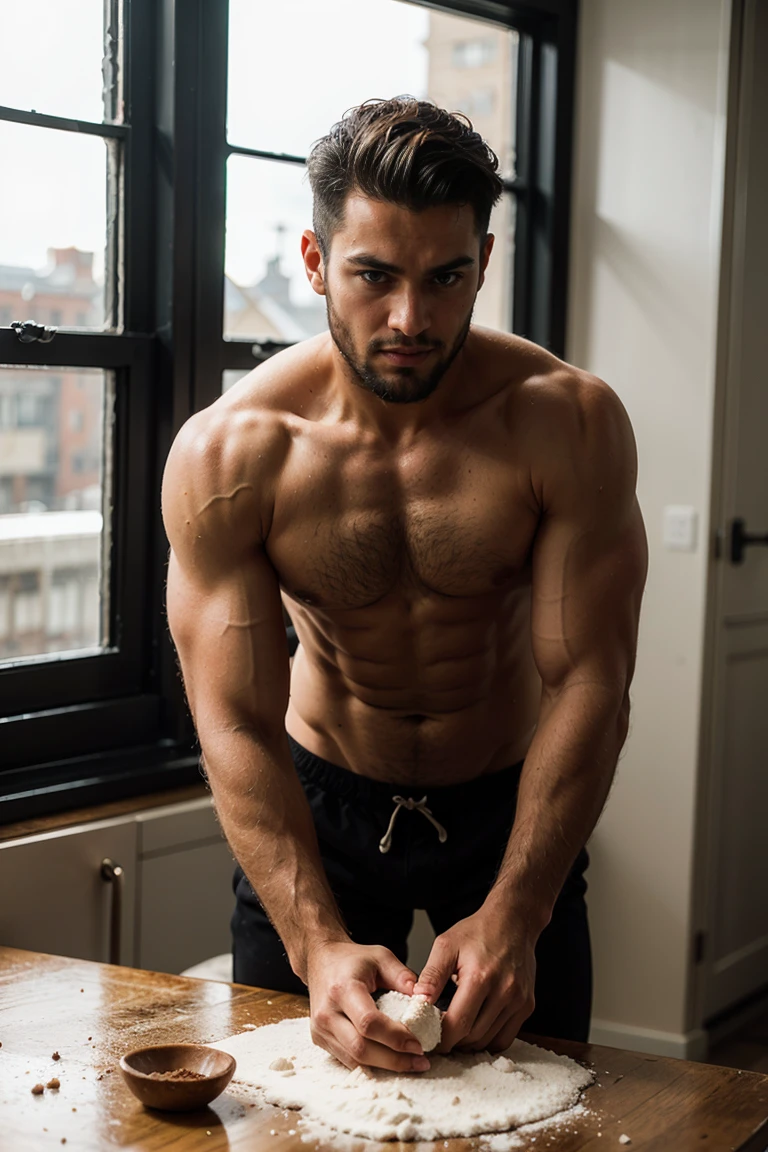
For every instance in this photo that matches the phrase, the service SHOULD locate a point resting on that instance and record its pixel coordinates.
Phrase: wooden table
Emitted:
(92, 1013)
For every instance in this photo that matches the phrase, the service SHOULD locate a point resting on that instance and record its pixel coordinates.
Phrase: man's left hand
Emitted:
(495, 970)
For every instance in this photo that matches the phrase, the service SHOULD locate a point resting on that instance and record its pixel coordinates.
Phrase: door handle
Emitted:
(113, 874)
(741, 539)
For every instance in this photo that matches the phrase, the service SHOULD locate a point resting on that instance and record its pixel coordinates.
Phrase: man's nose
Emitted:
(408, 313)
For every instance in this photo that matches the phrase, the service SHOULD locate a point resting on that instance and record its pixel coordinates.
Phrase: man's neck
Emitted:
(397, 423)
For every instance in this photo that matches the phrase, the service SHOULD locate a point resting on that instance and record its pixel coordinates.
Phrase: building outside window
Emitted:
(474, 53)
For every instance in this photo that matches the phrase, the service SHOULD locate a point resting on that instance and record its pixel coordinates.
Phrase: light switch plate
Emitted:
(681, 523)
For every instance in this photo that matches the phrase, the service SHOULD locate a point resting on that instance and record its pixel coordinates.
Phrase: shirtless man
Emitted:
(449, 515)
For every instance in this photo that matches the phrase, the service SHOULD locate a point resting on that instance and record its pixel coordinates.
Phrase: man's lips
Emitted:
(406, 355)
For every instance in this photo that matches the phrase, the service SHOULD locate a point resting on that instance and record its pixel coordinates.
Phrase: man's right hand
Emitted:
(342, 978)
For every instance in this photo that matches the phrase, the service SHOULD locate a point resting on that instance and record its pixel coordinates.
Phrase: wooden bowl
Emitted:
(216, 1067)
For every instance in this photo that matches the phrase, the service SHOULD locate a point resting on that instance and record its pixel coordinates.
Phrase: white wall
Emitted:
(648, 176)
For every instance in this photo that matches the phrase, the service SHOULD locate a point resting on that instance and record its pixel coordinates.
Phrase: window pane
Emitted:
(50, 57)
(267, 295)
(336, 62)
(231, 376)
(52, 492)
(52, 248)
(493, 308)
(473, 69)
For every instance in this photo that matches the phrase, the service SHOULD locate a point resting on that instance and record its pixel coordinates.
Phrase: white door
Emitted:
(733, 895)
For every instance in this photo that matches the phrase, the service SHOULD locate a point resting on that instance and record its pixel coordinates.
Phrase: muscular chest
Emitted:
(350, 530)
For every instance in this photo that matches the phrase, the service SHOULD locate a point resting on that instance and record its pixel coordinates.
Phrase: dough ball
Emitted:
(418, 1015)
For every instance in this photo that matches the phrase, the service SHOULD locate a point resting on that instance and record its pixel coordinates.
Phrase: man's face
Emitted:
(400, 288)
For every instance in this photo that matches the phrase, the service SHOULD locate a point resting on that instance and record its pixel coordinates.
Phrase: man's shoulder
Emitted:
(567, 423)
(225, 462)
(252, 419)
(280, 386)
(582, 405)
(555, 394)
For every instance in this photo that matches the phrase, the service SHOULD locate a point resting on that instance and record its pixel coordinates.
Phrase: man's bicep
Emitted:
(587, 587)
(223, 597)
(231, 642)
(590, 552)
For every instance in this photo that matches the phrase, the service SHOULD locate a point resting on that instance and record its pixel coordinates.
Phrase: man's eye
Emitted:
(443, 279)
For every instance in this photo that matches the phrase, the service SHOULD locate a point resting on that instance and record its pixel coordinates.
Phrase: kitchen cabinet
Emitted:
(185, 887)
(167, 908)
(56, 894)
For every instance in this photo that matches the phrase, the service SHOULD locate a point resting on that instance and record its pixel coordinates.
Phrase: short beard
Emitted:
(408, 388)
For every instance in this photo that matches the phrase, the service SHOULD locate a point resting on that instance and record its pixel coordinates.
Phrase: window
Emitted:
(167, 262)
(512, 76)
(5, 606)
(474, 53)
(26, 607)
(26, 410)
(85, 666)
(86, 166)
(266, 295)
(478, 103)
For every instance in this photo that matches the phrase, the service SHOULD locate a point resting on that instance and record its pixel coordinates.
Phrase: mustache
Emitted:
(391, 345)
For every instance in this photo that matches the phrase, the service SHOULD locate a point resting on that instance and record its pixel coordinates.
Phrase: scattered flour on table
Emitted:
(418, 1015)
(460, 1095)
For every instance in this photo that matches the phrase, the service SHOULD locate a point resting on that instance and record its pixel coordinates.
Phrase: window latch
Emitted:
(31, 333)
(263, 349)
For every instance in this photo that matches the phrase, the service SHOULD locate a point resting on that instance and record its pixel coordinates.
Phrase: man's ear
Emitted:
(313, 261)
(485, 256)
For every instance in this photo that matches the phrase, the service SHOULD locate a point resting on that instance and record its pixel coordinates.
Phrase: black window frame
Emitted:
(87, 730)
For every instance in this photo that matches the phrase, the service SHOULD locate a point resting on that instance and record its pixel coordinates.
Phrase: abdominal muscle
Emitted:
(451, 700)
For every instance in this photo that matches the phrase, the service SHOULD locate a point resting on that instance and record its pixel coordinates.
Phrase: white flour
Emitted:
(418, 1015)
(461, 1095)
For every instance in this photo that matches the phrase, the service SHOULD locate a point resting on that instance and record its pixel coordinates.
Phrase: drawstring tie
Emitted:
(412, 806)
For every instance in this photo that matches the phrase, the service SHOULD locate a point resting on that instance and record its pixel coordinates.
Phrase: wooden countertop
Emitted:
(93, 1013)
(117, 808)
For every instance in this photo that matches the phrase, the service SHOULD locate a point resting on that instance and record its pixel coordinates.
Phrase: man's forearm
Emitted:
(563, 787)
(267, 821)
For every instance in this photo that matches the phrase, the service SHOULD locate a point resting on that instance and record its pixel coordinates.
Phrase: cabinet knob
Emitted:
(112, 874)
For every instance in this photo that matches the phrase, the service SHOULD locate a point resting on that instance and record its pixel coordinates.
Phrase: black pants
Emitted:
(377, 892)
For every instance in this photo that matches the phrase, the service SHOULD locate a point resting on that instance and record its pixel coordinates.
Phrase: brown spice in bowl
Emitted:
(177, 1074)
